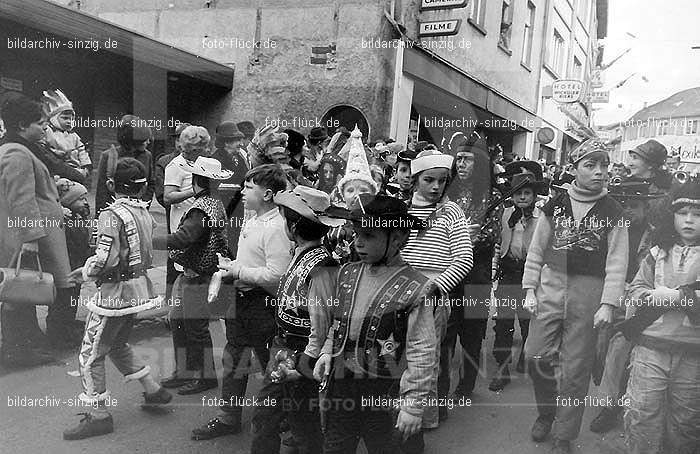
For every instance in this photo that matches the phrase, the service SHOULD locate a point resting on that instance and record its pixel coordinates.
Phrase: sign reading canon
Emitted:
(442, 4)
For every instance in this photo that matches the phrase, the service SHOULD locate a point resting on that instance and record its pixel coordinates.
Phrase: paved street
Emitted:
(495, 423)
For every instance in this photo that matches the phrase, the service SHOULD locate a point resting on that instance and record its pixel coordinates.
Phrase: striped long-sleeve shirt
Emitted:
(445, 247)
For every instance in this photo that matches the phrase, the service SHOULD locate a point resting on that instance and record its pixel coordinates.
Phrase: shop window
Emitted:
(662, 128)
(478, 12)
(691, 127)
(556, 53)
(506, 24)
(528, 34)
(347, 116)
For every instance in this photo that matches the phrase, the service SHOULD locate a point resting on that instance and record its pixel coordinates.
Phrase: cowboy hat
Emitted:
(207, 167)
(309, 203)
(382, 212)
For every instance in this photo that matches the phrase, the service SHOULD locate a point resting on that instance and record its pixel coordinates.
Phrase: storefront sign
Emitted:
(439, 27)
(567, 91)
(442, 4)
(599, 96)
(11, 84)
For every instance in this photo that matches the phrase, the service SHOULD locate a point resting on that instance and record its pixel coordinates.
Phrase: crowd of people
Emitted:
(347, 271)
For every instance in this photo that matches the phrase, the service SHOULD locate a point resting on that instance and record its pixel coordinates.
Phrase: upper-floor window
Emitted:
(478, 12)
(506, 24)
(528, 34)
(556, 53)
(582, 11)
(578, 69)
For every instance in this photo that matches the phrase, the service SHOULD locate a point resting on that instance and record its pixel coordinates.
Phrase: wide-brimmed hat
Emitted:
(627, 189)
(382, 212)
(207, 167)
(651, 151)
(228, 130)
(520, 171)
(431, 159)
(317, 134)
(406, 156)
(309, 203)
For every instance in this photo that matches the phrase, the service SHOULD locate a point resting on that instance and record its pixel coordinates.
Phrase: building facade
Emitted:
(674, 121)
(406, 69)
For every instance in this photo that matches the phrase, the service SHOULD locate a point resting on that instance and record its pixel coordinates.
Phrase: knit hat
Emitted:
(586, 148)
(431, 159)
(651, 151)
(269, 136)
(56, 102)
(357, 167)
(686, 194)
(194, 135)
(247, 128)
(69, 191)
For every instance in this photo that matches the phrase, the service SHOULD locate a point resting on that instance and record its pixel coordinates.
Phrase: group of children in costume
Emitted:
(367, 301)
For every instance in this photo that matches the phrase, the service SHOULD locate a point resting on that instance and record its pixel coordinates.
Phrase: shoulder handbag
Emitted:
(23, 287)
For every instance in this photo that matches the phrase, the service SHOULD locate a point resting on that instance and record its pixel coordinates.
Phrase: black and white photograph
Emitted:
(350, 226)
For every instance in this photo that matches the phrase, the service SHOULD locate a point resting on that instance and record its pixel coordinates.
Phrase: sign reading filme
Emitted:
(439, 27)
(567, 90)
(442, 4)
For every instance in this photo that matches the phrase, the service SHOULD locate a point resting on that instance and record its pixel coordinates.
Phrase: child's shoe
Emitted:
(160, 397)
(89, 426)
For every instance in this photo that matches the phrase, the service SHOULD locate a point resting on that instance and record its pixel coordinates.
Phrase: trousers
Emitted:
(106, 336)
(663, 415)
(189, 322)
(250, 324)
(563, 331)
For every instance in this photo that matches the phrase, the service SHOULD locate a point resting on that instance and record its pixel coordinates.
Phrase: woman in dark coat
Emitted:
(31, 218)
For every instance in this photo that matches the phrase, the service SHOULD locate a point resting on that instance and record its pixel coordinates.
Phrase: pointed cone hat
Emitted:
(357, 167)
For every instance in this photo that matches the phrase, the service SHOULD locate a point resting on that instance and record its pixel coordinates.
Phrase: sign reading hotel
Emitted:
(442, 4)
(600, 96)
(567, 91)
(439, 27)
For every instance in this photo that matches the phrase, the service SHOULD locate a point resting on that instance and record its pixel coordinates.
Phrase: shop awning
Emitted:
(75, 25)
(422, 65)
